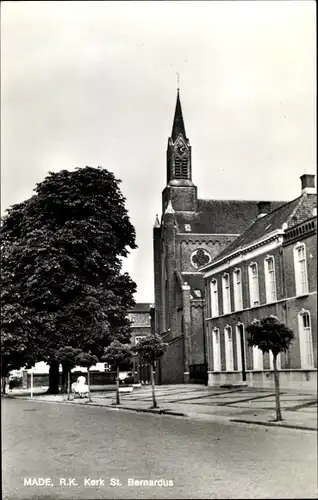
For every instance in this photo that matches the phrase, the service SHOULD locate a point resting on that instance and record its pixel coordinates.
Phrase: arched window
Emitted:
(305, 339)
(226, 293)
(216, 350)
(214, 298)
(229, 364)
(300, 262)
(237, 286)
(253, 282)
(270, 279)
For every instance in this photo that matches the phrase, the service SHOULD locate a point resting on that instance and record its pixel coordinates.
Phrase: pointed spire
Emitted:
(178, 125)
(157, 223)
(169, 209)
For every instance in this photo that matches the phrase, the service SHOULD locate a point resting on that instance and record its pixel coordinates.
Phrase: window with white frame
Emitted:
(237, 285)
(226, 293)
(214, 298)
(253, 282)
(239, 340)
(305, 340)
(301, 278)
(270, 279)
(216, 350)
(271, 361)
(229, 364)
(257, 359)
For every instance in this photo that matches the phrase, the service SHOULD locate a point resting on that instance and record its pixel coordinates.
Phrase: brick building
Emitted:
(190, 233)
(140, 319)
(271, 269)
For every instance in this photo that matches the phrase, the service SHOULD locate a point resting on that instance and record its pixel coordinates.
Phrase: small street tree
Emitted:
(271, 334)
(117, 353)
(149, 350)
(67, 356)
(87, 360)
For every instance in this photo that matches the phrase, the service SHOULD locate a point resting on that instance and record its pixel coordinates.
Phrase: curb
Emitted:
(156, 411)
(272, 424)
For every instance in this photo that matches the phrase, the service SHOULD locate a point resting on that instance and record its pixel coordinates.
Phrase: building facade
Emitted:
(140, 319)
(271, 269)
(190, 233)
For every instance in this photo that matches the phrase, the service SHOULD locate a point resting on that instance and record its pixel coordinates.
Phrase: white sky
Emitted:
(94, 83)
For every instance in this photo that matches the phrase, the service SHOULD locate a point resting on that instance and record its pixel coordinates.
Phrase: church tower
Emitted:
(180, 189)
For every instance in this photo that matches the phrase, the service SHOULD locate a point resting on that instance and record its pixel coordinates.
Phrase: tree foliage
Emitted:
(117, 353)
(150, 348)
(61, 265)
(269, 334)
(67, 356)
(86, 359)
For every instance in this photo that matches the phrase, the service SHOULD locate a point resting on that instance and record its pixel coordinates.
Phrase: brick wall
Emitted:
(311, 255)
(182, 198)
(197, 334)
(172, 362)
(187, 246)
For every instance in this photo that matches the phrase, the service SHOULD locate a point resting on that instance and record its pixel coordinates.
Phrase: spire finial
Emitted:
(178, 81)
(157, 223)
(178, 124)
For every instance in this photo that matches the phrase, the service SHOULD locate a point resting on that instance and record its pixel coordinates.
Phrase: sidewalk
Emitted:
(242, 405)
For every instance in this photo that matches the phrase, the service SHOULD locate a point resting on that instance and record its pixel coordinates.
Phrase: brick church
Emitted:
(190, 233)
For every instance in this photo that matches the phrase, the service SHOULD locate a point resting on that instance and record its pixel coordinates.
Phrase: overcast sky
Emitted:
(94, 83)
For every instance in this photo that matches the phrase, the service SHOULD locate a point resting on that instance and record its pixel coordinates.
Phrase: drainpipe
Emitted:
(204, 342)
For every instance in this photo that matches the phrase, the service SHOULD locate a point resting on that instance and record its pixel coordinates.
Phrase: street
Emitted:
(100, 453)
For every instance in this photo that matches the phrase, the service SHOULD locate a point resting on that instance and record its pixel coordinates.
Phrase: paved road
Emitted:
(201, 459)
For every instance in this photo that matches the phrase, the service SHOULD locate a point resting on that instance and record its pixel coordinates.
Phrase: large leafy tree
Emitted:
(149, 350)
(61, 265)
(271, 334)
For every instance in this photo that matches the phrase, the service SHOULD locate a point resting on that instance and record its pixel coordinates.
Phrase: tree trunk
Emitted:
(277, 397)
(117, 386)
(152, 374)
(3, 384)
(68, 385)
(53, 378)
(64, 380)
(89, 385)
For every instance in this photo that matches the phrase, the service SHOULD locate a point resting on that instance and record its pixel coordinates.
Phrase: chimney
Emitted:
(263, 207)
(308, 184)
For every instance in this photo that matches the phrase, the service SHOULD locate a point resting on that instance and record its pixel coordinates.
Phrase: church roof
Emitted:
(267, 224)
(178, 124)
(220, 216)
(141, 307)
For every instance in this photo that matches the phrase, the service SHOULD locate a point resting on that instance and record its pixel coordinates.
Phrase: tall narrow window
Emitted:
(237, 283)
(253, 281)
(270, 279)
(228, 349)
(271, 361)
(239, 350)
(216, 350)
(226, 293)
(300, 262)
(257, 359)
(305, 340)
(214, 299)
